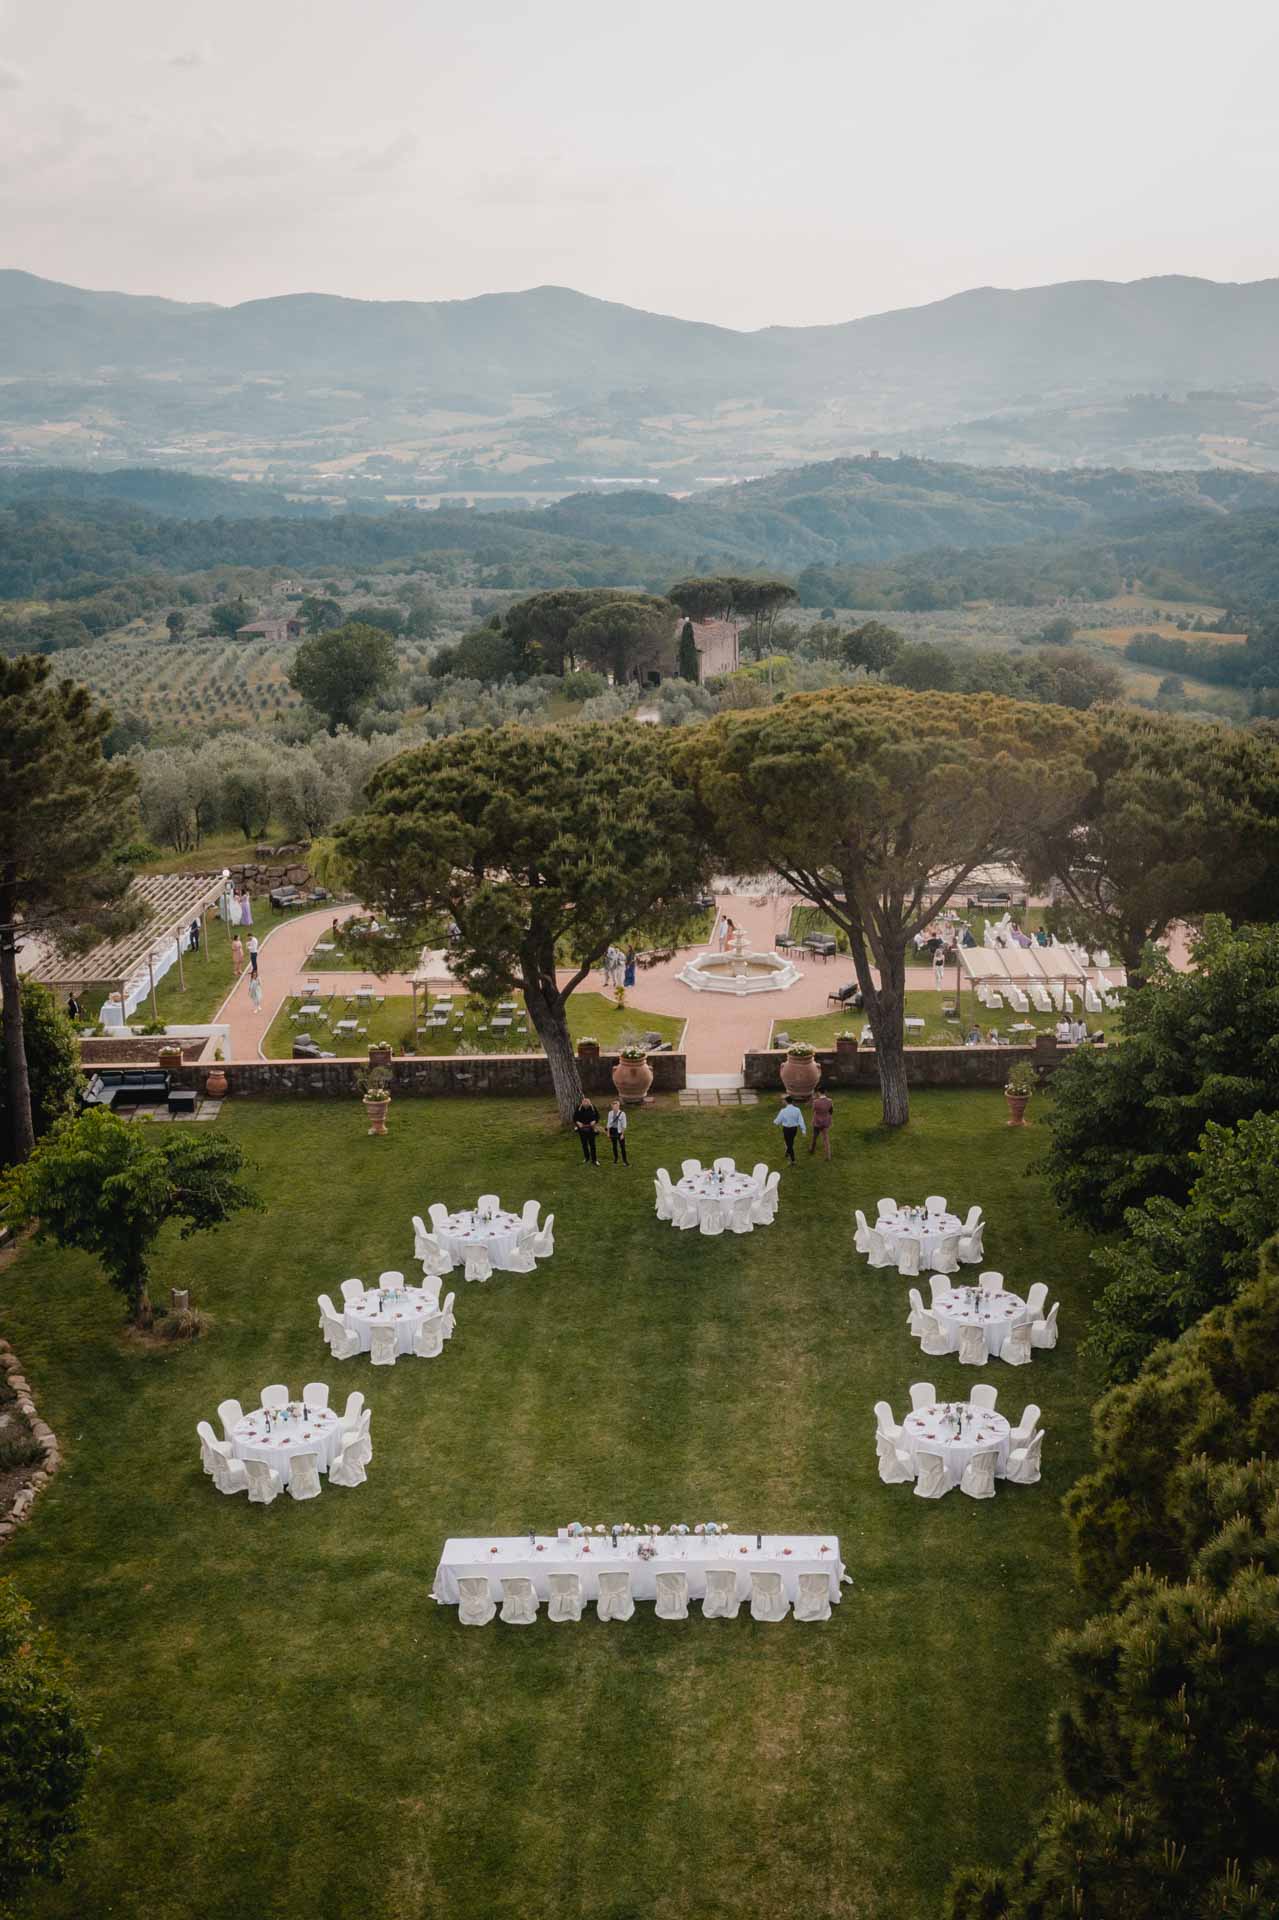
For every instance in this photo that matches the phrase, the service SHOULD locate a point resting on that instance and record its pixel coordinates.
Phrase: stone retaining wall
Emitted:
(925, 1066)
(43, 1434)
(137, 1052)
(500, 1073)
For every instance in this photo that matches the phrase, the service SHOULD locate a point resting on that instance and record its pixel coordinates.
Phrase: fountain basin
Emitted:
(739, 973)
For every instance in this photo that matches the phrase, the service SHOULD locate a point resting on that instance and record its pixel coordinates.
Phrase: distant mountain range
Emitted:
(528, 392)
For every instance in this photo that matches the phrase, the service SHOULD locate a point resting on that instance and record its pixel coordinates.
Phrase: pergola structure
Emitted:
(134, 962)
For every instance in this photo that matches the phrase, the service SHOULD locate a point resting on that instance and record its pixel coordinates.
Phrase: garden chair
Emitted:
(1043, 1333)
(1023, 1462)
(672, 1596)
(946, 1254)
(350, 1421)
(768, 1596)
(1035, 1300)
(1022, 1434)
(351, 1291)
(1015, 1351)
(519, 1601)
(343, 1343)
(304, 1476)
(972, 1347)
(812, 1601)
(978, 1478)
(984, 1397)
(347, 1469)
(428, 1341)
(264, 1483)
(446, 1314)
(382, 1346)
(930, 1475)
(722, 1600)
(475, 1606)
(565, 1602)
(230, 1413)
(933, 1340)
(923, 1394)
(275, 1398)
(991, 1282)
(616, 1601)
(479, 1265)
(315, 1396)
(915, 1318)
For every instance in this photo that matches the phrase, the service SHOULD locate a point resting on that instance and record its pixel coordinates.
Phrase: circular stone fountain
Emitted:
(740, 970)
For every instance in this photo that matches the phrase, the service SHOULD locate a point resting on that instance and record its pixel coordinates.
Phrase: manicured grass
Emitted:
(821, 1029)
(805, 920)
(588, 1013)
(289, 1727)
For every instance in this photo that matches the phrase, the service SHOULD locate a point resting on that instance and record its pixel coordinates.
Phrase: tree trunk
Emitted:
(885, 1013)
(21, 1128)
(133, 1280)
(546, 1011)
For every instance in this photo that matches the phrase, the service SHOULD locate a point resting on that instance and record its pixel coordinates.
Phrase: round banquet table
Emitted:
(404, 1311)
(932, 1431)
(465, 1230)
(995, 1313)
(709, 1187)
(928, 1232)
(319, 1433)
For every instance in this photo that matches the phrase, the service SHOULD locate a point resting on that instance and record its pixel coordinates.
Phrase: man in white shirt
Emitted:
(253, 956)
(791, 1122)
(1063, 1031)
(617, 1132)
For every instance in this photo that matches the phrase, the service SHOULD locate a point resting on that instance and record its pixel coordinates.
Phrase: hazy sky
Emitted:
(738, 162)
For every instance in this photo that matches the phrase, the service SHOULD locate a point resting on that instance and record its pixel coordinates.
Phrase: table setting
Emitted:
(401, 1307)
(916, 1223)
(496, 1229)
(275, 1435)
(709, 1188)
(957, 1430)
(994, 1313)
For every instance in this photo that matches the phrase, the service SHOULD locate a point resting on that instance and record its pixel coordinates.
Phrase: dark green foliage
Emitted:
(487, 655)
(873, 646)
(228, 616)
(688, 665)
(1175, 1262)
(338, 672)
(45, 1754)
(52, 1062)
(1198, 1047)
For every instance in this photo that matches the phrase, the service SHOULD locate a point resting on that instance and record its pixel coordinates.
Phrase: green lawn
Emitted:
(805, 920)
(821, 1029)
(289, 1727)
(588, 1013)
(209, 974)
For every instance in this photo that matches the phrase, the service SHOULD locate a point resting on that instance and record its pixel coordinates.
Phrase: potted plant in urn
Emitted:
(801, 1071)
(375, 1088)
(632, 1076)
(1018, 1088)
(215, 1081)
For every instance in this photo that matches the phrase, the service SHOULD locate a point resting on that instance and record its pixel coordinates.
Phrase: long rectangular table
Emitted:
(789, 1554)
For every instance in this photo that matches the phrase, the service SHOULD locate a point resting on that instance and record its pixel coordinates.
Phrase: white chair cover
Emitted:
(894, 1464)
(489, 1203)
(230, 1413)
(316, 1394)
(877, 1254)
(519, 1596)
(438, 1215)
(1015, 1351)
(930, 1475)
(565, 1602)
(363, 1438)
(382, 1346)
(304, 1476)
(229, 1476)
(922, 1394)
(436, 1259)
(972, 1346)
(616, 1601)
(690, 1168)
(209, 1444)
(766, 1204)
(741, 1214)
(529, 1212)
(544, 1242)
(475, 1606)
(1023, 1462)
(327, 1308)
(1035, 1299)
(672, 1596)
(984, 1396)
(908, 1255)
(721, 1602)
(520, 1258)
(978, 1480)
(352, 1290)
(478, 1264)
(275, 1397)
(884, 1422)
(935, 1203)
(971, 1250)
(344, 1343)
(812, 1602)
(932, 1340)
(915, 1318)
(711, 1216)
(350, 1422)
(937, 1283)
(1022, 1434)
(946, 1254)
(347, 1469)
(861, 1239)
(759, 1174)
(685, 1214)
(1044, 1332)
(768, 1596)
(264, 1482)
(446, 1313)
(725, 1164)
(974, 1215)
(663, 1204)
(991, 1282)
(391, 1280)
(885, 1209)
(428, 1341)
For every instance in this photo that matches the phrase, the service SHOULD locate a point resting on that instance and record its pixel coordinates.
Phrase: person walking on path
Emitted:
(791, 1122)
(194, 939)
(628, 974)
(237, 956)
(255, 991)
(246, 909)
(823, 1114)
(587, 1121)
(253, 955)
(617, 1124)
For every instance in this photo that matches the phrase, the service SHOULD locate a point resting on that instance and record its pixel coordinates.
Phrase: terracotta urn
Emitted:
(376, 1111)
(632, 1078)
(215, 1084)
(1017, 1103)
(801, 1076)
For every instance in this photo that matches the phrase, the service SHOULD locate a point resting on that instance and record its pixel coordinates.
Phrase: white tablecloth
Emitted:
(465, 1230)
(404, 1312)
(928, 1233)
(319, 1433)
(932, 1431)
(789, 1554)
(709, 1189)
(995, 1313)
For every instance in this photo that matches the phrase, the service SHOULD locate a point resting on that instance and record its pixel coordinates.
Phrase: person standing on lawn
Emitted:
(586, 1119)
(823, 1115)
(617, 1124)
(791, 1122)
